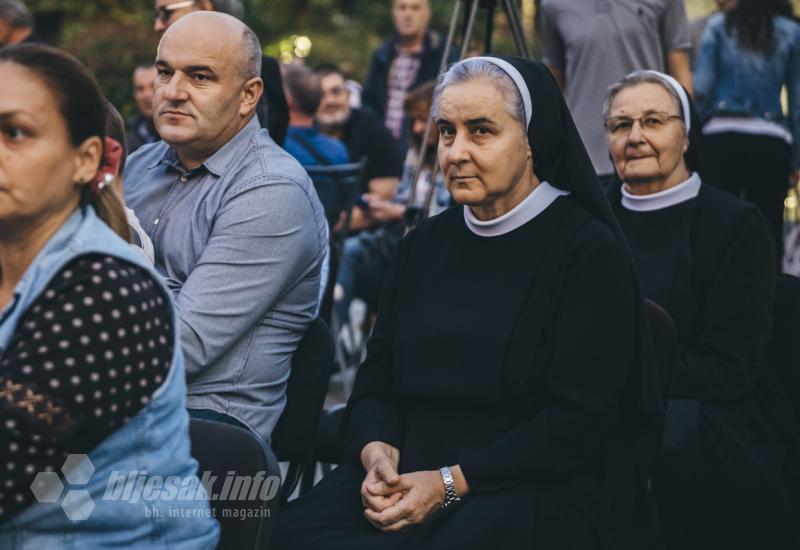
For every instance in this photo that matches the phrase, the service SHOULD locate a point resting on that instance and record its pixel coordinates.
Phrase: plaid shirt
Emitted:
(402, 74)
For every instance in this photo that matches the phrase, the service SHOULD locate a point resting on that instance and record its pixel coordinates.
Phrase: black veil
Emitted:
(560, 158)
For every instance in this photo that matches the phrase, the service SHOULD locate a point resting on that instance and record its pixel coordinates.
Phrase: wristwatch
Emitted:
(450, 496)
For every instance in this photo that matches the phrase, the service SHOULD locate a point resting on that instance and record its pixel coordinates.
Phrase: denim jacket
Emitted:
(734, 81)
(154, 443)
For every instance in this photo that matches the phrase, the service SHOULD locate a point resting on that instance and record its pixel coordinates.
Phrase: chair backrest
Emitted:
(665, 342)
(337, 187)
(220, 448)
(329, 447)
(295, 434)
(783, 353)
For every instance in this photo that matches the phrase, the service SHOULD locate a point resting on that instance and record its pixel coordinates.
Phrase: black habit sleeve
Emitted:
(727, 360)
(373, 413)
(590, 336)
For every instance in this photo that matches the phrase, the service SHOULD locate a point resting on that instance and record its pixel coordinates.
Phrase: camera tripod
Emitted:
(416, 213)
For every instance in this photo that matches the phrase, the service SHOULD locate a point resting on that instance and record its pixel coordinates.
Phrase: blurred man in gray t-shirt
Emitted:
(590, 44)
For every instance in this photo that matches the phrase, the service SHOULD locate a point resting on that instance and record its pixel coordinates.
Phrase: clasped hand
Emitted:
(392, 501)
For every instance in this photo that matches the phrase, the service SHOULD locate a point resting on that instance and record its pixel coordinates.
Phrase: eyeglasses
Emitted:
(165, 12)
(648, 122)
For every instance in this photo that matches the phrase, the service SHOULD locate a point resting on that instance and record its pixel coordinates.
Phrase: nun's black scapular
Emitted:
(707, 259)
(523, 357)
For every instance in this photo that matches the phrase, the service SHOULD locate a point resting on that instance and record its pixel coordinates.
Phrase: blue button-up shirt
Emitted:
(240, 241)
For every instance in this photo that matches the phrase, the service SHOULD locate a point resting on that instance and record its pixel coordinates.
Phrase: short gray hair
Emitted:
(250, 59)
(481, 69)
(16, 13)
(303, 87)
(635, 79)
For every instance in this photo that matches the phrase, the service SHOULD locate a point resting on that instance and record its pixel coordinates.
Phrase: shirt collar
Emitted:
(684, 191)
(168, 157)
(217, 163)
(530, 207)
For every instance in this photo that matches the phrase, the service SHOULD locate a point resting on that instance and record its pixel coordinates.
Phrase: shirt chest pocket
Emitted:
(647, 12)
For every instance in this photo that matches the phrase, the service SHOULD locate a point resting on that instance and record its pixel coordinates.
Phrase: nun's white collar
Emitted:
(531, 206)
(684, 191)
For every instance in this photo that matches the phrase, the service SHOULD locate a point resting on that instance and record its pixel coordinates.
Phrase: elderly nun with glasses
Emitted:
(706, 257)
(509, 391)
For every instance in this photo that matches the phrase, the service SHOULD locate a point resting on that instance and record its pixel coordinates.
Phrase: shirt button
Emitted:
(184, 178)
(155, 222)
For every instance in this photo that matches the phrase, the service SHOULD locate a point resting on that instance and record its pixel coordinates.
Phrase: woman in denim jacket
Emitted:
(92, 386)
(750, 148)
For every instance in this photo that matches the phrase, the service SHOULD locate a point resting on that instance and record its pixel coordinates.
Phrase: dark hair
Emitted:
(83, 108)
(303, 87)
(751, 22)
(16, 13)
(115, 129)
(421, 94)
(324, 69)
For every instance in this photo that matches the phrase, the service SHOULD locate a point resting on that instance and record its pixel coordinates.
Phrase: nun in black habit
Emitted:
(707, 259)
(509, 395)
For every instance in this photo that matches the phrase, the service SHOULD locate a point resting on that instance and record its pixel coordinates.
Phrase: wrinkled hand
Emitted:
(380, 461)
(421, 494)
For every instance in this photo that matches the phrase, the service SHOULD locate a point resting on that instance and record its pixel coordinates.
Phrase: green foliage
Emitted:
(341, 31)
(113, 36)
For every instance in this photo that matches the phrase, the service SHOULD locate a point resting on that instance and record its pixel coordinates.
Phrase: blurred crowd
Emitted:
(167, 266)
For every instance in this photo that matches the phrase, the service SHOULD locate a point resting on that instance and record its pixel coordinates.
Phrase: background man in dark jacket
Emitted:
(141, 129)
(412, 56)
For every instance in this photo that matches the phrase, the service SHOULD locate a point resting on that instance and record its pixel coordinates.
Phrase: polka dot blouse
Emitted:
(86, 357)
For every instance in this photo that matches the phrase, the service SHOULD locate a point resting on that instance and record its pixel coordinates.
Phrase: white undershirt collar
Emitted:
(530, 207)
(684, 191)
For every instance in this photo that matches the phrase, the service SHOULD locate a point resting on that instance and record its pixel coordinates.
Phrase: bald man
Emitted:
(272, 110)
(238, 230)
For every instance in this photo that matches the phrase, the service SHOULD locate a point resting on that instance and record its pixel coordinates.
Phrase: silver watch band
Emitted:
(450, 496)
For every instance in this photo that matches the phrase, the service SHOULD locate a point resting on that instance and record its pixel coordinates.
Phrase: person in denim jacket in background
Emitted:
(750, 148)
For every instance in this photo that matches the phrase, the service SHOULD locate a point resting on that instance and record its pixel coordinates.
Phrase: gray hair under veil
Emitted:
(635, 79)
(481, 69)
(692, 122)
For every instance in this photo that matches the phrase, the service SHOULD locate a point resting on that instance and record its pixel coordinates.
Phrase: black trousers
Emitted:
(523, 517)
(754, 167)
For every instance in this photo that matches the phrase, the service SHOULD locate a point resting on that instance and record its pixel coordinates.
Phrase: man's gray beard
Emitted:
(332, 124)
